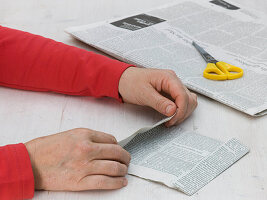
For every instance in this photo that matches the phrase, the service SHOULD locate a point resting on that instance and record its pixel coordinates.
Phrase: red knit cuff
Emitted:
(25, 178)
(26, 173)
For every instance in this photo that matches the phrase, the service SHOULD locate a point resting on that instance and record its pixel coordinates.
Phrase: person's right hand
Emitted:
(144, 86)
(78, 159)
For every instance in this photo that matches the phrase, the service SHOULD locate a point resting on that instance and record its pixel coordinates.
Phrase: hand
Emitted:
(78, 159)
(143, 86)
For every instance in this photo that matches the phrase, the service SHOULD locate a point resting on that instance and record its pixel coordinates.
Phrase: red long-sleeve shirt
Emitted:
(32, 62)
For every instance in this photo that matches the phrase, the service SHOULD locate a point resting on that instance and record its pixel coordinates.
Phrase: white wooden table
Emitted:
(25, 115)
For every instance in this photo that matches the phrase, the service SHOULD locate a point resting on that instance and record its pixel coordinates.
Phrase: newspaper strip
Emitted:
(161, 38)
(180, 159)
(142, 130)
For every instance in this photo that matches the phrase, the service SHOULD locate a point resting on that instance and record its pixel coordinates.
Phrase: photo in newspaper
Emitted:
(161, 38)
(183, 160)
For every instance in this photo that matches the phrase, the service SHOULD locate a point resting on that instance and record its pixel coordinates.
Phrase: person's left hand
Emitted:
(143, 86)
(78, 159)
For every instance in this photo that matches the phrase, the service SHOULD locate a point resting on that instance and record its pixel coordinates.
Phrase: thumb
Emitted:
(160, 103)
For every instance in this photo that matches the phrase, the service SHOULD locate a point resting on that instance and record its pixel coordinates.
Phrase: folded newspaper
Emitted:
(180, 159)
(161, 38)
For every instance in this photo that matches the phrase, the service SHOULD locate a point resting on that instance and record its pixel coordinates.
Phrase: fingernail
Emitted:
(168, 109)
(125, 182)
(114, 141)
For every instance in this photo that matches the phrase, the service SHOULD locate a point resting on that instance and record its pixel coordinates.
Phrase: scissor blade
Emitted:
(207, 57)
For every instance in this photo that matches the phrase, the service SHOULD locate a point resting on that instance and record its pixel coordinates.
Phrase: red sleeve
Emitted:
(32, 62)
(36, 63)
(16, 176)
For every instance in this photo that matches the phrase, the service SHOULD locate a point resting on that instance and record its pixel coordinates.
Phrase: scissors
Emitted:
(218, 70)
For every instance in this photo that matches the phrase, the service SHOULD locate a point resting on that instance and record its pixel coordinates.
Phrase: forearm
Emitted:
(36, 63)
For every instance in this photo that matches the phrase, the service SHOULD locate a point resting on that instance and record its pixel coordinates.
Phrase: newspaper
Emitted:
(180, 159)
(162, 37)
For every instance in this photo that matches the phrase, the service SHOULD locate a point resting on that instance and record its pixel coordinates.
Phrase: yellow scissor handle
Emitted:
(214, 73)
(222, 71)
(228, 68)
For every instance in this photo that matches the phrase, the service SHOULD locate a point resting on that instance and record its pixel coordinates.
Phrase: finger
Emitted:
(180, 112)
(111, 152)
(187, 111)
(178, 117)
(192, 104)
(195, 99)
(101, 182)
(106, 167)
(178, 92)
(100, 137)
(160, 103)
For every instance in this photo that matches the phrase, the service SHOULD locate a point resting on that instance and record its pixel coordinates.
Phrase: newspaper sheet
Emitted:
(162, 37)
(180, 159)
